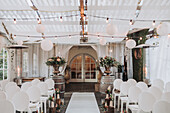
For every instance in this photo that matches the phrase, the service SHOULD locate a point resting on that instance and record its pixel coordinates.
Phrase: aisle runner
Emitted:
(83, 103)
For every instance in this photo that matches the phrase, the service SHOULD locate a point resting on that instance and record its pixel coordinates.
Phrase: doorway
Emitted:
(83, 68)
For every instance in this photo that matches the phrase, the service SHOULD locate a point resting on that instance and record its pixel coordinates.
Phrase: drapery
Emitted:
(158, 59)
(115, 50)
(37, 59)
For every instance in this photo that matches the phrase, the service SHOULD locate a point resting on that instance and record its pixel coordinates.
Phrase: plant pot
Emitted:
(56, 69)
(107, 71)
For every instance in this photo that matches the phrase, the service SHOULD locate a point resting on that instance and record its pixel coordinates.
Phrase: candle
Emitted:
(105, 104)
(109, 88)
(111, 103)
(18, 70)
(52, 104)
(58, 96)
(107, 96)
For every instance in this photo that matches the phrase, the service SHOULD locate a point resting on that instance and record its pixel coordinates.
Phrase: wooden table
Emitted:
(32, 78)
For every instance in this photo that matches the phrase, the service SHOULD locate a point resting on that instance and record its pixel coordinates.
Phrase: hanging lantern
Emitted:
(162, 29)
(46, 45)
(102, 41)
(40, 28)
(130, 43)
(20, 42)
(111, 29)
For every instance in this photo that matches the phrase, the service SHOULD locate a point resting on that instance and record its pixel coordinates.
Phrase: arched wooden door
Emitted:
(83, 69)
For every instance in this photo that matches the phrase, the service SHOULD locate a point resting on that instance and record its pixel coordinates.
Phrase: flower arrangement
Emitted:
(55, 61)
(57, 91)
(108, 62)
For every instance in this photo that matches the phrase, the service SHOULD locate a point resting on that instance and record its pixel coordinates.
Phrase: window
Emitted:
(3, 64)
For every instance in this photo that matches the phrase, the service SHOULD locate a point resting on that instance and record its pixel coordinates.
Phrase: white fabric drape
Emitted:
(158, 59)
(117, 51)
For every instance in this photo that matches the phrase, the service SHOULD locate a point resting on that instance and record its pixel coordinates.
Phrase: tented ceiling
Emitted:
(115, 9)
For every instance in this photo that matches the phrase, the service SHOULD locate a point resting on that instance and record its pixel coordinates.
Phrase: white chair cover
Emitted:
(156, 92)
(146, 101)
(11, 91)
(167, 87)
(3, 84)
(6, 106)
(50, 83)
(117, 83)
(142, 85)
(166, 96)
(9, 84)
(43, 88)
(132, 82)
(133, 94)
(34, 94)
(21, 101)
(35, 82)
(25, 86)
(161, 107)
(124, 88)
(3, 95)
(159, 83)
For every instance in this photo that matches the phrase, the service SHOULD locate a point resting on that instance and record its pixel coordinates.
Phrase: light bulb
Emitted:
(14, 36)
(127, 38)
(38, 20)
(107, 20)
(131, 22)
(153, 23)
(61, 18)
(112, 37)
(140, 38)
(69, 36)
(15, 21)
(98, 36)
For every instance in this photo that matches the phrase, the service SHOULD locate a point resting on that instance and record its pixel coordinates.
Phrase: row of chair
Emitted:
(30, 97)
(139, 94)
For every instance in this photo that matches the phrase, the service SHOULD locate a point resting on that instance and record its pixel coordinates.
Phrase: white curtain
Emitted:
(114, 50)
(158, 59)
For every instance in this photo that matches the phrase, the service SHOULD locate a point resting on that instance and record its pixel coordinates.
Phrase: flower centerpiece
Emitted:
(56, 62)
(108, 62)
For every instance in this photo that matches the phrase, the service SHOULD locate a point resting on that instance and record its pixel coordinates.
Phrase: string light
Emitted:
(153, 23)
(98, 36)
(155, 36)
(61, 18)
(69, 36)
(14, 36)
(38, 20)
(84, 17)
(107, 20)
(55, 37)
(140, 38)
(131, 22)
(169, 35)
(127, 38)
(112, 37)
(28, 37)
(15, 21)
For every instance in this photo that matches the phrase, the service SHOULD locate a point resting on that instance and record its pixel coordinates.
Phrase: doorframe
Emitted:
(82, 68)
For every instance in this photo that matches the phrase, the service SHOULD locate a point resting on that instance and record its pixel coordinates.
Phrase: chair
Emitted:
(21, 101)
(3, 95)
(159, 83)
(142, 85)
(35, 82)
(3, 84)
(124, 88)
(51, 89)
(116, 89)
(9, 84)
(6, 106)
(25, 86)
(34, 98)
(132, 82)
(11, 91)
(167, 87)
(166, 96)
(156, 92)
(44, 94)
(146, 101)
(161, 107)
(133, 96)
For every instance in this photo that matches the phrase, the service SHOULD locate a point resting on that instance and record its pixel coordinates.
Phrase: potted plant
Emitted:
(56, 62)
(108, 62)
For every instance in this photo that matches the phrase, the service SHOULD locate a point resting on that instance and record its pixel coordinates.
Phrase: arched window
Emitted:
(3, 64)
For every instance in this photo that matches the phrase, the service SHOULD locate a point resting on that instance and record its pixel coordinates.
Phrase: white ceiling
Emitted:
(117, 9)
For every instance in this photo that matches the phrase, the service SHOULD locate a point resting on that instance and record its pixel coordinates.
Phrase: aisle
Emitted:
(83, 103)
